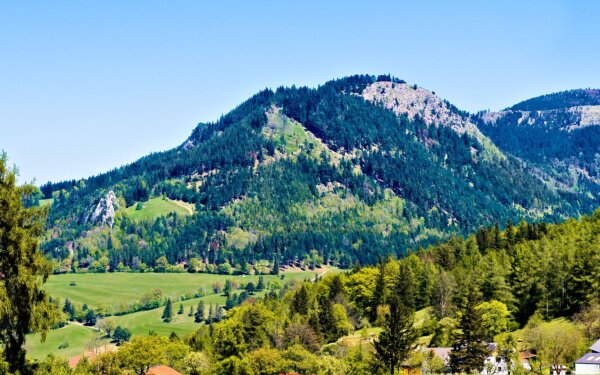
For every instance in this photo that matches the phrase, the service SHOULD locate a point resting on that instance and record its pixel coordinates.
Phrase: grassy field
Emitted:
(156, 207)
(77, 336)
(46, 202)
(114, 289)
(142, 322)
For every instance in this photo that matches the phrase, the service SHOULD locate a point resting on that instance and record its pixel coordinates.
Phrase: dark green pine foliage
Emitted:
(397, 340)
(300, 301)
(469, 350)
(379, 292)
(180, 309)
(199, 315)
(261, 283)
(406, 286)
(167, 315)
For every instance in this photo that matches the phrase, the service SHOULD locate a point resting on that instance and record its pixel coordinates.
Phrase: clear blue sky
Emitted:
(88, 86)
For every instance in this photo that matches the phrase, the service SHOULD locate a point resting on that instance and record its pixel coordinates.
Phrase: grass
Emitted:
(77, 336)
(142, 322)
(114, 289)
(156, 207)
(46, 202)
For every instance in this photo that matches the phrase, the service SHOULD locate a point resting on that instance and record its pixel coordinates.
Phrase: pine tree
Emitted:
(379, 292)
(227, 288)
(211, 314)
(220, 314)
(199, 316)
(167, 315)
(261, 283)
(406, 286)
(23, 270)
(397, 340)
(191, 313)
(275, 269)
(300, 301)
(180, 309)
(469, 351)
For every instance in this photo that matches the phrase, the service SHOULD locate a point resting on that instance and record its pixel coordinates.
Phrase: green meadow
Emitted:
(78, 337)
(114, 289)
(158, 207)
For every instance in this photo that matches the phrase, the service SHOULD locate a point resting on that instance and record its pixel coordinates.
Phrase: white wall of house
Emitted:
(587, 369)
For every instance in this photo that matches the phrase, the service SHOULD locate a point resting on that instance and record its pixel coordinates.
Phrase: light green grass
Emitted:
(46, 202)
(142, 322)
(156, 207)
(77, 336)
(114, 289)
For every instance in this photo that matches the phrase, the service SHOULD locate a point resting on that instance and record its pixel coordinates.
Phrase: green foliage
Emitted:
(397, 340)
(23, 270)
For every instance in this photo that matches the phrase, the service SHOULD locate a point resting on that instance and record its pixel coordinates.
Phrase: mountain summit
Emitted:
(358, 168)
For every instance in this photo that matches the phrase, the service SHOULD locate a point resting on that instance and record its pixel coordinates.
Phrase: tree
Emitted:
(90, 318)
(397, 340)
(443, 291)
(199, 315)
(167, 315)
(556, 344)
(69, 309)
(261, 283)
(379, 292)
(196, 363)
(275, 269)
(300, 301)
(250, 288)
(161, 264)
(121, 335)
(406, 286)
(180, 309)
(107, 325)
(23, 270)
(191, 313)
(143, 352)
(469, 350)
(494, 318)
(227, 288)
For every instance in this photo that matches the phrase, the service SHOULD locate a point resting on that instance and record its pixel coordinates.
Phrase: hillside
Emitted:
(557, 135)
(357, 168)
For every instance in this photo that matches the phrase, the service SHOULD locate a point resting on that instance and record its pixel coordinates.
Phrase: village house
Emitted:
(589, 364)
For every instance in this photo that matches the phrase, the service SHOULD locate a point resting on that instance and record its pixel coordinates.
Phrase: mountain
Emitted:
(557, 134)
(355, 169)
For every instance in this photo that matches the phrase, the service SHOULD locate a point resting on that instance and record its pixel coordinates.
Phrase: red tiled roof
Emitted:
(162, 370)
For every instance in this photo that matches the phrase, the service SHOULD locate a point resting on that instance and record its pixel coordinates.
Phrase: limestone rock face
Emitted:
(105, 210)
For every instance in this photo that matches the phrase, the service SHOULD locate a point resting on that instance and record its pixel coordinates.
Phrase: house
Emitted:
(526, 358)
(595, 348)
(589, 364)
(162, 370)
(91, 354)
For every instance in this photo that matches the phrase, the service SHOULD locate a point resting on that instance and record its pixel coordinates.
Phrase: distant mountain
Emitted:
(557, 134)
(358, 168)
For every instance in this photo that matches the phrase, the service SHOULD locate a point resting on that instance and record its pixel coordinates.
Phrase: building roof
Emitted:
(595, 347)
(589, 359)
(443, 353)
(526, 355)
(162, 370)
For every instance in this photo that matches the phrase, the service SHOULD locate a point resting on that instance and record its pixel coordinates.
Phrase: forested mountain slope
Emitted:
(352, 170)
(558, 134)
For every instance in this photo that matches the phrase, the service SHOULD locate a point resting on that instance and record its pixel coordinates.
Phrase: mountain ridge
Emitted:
(354, 169)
